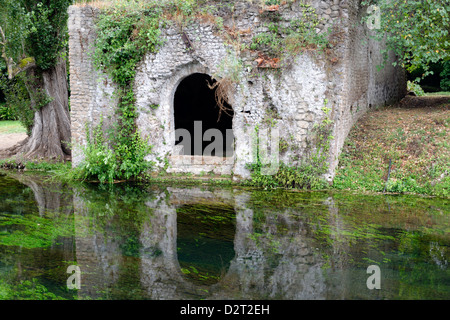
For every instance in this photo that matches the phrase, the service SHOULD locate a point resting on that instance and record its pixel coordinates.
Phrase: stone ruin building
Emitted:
(172, 91)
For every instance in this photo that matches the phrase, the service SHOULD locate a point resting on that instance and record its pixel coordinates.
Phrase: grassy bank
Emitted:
(413, 137)
(9, 126)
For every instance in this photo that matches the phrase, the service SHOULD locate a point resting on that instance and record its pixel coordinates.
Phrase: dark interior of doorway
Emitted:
(195, 101)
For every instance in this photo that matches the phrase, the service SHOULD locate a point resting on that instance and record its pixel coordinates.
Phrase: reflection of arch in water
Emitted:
(162, 262)
(252, 269)
(246, 275)
(205, 241)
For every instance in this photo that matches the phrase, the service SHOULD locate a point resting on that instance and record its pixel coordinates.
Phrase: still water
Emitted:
(159, 242)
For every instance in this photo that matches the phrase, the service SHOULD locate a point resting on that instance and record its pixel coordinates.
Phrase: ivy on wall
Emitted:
(123, 37)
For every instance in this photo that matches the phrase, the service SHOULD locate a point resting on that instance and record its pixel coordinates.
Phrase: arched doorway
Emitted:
(198, 125)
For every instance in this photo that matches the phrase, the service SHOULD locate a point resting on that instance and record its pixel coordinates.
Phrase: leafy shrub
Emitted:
(445, 76)
(416, 88)
(305, 176)
(100, 163)
(442, 188)
(26, 290)
(403, 185)
(7, 113)
(132, 157)
(106, 164)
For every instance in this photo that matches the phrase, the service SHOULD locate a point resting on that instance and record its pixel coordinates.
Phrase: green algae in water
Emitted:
(137, 242)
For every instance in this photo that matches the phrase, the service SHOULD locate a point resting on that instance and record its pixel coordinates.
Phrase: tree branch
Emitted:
(24, 65)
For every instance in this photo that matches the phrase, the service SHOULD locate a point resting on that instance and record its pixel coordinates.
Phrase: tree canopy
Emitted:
(417, 31)
(33, 29)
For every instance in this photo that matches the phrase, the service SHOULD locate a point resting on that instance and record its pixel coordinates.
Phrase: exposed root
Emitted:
(222, 89)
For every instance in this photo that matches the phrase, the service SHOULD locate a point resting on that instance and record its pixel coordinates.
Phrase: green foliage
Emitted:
(20, 100)
(416, 88)
(35, 28)
(48, 35)
(404, 185)
(124, 36)
(7, 113)
(26, 290)
(16, 23)
(100, 161)
(445, 76)
(442, 188)
(304, 176)
(107, 164)
(416, 31)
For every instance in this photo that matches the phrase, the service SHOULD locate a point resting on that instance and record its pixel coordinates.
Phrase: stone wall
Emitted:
(289, 99)
(91, 97)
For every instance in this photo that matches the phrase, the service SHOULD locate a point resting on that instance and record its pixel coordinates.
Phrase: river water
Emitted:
(138, 242)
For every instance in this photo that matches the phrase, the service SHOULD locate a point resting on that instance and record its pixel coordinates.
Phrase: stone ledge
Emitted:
(201, 164)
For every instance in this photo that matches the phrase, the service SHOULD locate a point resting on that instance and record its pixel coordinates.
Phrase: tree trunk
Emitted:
(50, 135)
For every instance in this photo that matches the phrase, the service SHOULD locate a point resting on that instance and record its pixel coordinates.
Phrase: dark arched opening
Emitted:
(199, 126)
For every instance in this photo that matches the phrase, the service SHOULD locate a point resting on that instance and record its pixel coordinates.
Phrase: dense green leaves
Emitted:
(417, 31)
(123, 37)
(48, 36)
(15, 23)
(35, 28)
(445, 76)
(20, 100)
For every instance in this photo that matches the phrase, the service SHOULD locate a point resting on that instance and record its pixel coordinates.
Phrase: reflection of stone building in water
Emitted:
(276, 262)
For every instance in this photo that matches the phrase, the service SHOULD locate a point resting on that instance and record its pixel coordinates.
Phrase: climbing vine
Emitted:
(123, 37)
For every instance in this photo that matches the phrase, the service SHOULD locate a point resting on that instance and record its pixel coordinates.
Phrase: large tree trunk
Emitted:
(50, 135)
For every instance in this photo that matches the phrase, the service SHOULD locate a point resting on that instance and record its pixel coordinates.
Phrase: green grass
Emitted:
(8, 126)
(432, 94)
